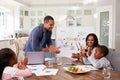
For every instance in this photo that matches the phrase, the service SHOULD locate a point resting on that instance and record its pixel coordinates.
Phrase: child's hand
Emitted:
(83, 52)
(23, 63)
(75, 55)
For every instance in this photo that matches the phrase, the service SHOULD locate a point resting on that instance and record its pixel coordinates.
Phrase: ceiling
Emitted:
(54, 2)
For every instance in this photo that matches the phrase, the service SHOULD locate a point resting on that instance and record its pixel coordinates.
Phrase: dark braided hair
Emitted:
(6, 54)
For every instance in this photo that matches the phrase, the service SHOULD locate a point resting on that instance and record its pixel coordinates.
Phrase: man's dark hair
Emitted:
(47, 18)
(103, 49)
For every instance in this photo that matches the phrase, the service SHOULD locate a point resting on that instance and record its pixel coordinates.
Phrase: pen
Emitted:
(43, 68)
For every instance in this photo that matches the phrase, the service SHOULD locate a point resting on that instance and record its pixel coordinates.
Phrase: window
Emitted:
(6, 23)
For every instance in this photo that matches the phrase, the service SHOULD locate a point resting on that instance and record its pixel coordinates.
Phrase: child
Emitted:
(97, 58)
(7, 60)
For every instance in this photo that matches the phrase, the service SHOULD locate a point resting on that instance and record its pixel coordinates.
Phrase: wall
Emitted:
(117, 25)
(104, 2)
(115, 21)
(60, 15)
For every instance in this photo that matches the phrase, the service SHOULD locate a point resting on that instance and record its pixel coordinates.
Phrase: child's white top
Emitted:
(11, 72)
(97, 63)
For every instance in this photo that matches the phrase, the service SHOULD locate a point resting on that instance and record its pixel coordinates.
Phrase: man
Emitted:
(40, 37)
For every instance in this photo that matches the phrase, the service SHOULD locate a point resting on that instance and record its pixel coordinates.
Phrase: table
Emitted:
(64, 75)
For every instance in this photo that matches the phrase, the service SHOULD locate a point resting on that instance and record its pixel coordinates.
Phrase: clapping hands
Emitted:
(54, 49)
(22, 64)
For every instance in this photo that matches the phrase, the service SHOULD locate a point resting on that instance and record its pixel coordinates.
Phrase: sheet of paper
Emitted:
(41, 70)
(36, 68)
(87, 67)
(47, 72)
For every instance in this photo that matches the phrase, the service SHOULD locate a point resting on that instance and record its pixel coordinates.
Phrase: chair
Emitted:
(19, 43)
(114, 58)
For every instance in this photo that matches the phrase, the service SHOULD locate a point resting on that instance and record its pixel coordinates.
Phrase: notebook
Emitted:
(35, 57)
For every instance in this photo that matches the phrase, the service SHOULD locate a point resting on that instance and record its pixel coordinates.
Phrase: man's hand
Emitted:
(54, 49)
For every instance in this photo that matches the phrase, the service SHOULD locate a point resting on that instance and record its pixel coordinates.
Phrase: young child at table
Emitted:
(7, 71)
(97, 58)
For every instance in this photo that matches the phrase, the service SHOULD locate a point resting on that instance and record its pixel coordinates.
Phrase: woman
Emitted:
(91, 43)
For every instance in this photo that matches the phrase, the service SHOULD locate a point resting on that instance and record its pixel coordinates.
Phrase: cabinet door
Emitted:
(104, 26)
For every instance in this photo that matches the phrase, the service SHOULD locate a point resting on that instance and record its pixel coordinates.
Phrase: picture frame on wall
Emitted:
(70, 21)
(26, 13)
(78, 21)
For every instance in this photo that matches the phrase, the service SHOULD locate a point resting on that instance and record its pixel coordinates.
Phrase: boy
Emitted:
(97, 58)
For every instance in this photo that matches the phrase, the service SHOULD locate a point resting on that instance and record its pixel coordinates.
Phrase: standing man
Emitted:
(40, 37)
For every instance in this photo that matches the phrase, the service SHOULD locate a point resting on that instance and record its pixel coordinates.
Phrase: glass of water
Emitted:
(106, 73)
(50, 63)
(59, 60)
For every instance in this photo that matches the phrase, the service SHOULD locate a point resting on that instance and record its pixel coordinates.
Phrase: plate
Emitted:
(81, 69)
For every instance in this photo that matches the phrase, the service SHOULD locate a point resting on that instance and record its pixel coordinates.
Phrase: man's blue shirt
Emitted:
(34, 41)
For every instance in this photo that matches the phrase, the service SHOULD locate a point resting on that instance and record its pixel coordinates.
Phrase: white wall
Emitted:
(59, 14)
(115, 21)
(117, 25)
(105, 2)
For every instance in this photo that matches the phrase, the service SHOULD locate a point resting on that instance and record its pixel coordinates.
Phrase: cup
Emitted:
(50, 63)
(106, 73)
(59, 60)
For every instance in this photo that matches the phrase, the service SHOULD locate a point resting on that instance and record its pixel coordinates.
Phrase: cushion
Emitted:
(114, 58)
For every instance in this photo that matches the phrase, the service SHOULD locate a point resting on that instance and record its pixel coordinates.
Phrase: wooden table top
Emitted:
(64, 75)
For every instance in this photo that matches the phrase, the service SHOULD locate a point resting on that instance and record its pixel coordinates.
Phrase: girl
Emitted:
(7, 60)
(91, 43)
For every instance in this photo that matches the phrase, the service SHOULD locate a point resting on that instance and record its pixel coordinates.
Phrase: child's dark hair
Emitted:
(95, 39)
(103, 49)
(6, 54)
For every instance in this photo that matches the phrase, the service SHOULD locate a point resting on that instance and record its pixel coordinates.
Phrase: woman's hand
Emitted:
(89, 51)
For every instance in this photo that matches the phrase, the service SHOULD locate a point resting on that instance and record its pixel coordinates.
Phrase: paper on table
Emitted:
(87, 67)
(47, 72)
(41, 70)
(36, 68)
